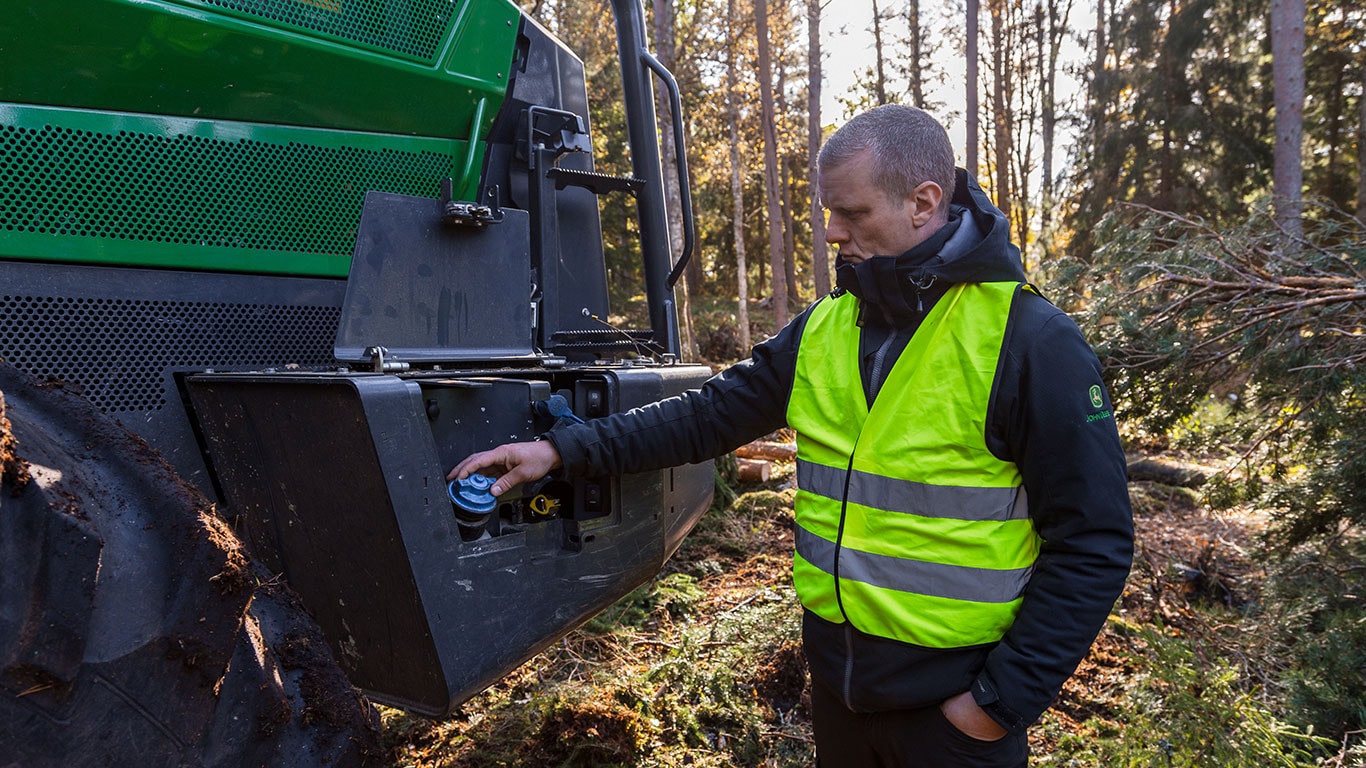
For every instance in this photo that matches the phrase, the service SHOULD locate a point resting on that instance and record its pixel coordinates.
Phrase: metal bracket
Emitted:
(597, 183)
(468, 213)
(380, 365)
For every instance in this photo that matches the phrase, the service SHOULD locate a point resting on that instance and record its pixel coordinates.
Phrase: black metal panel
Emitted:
(338, 479)
(548, 74)
(431, 292)
(123, 335)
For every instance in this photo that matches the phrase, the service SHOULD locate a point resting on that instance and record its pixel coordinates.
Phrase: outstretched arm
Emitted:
(515, 462)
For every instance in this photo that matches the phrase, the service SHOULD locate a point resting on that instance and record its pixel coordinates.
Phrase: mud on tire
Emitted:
(134, 629)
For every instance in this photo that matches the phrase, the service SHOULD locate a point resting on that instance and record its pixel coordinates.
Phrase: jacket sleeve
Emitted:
(740, 404)
(1052, 416)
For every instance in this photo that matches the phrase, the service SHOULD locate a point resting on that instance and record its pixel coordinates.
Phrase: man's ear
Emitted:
(924, 201)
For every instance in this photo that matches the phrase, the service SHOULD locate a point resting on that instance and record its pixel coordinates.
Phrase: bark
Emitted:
(1097, 81)
(973, 110)
(1057, 27)
(754, 470)
(765, 449)
(1361, 150)
(1000, 113)
(916, 53)
(736, 186)
(1287, 65)
(880, 68)
(785, 199)
(820, 254)
(775, 220)
(789, 247)
(1145, 470)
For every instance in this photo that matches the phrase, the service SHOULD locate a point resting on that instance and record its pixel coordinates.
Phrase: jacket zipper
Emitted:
(875, 379)
(875, 384)
(846, 693)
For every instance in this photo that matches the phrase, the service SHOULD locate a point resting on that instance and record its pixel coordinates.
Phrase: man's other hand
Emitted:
(514, 462)
(962, 711)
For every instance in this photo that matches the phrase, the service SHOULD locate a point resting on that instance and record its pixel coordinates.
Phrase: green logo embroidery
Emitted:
(1097, 397)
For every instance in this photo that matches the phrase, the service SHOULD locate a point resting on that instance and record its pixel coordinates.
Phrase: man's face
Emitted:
(864, 221)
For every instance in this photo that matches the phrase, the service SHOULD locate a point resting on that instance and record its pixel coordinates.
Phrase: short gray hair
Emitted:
(909, 148)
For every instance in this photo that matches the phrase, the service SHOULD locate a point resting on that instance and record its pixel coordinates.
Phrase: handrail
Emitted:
(642, 129)
(684, 182)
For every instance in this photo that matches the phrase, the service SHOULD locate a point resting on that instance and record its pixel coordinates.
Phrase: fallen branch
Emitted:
(1150, 470)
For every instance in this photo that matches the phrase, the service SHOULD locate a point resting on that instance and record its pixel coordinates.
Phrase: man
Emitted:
(962, 519)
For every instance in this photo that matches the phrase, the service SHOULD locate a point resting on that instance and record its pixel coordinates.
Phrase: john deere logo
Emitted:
(1097, 397)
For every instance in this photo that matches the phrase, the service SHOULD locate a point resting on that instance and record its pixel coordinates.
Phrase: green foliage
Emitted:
(1242, 342)
(1316, 602)
(674, 594)
(1185, 705)
(1179, 119)
(1242, 339)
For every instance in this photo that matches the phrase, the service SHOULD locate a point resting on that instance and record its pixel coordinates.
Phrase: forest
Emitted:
(1197, 202)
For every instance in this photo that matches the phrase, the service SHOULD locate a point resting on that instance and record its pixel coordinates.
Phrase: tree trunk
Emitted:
(737, 196)
(972, 109)
(1024, 105)
(1001, 115)
(775, 220)
(880, 71)
(794, 296)
(1097, 81)
(1361, 149)
(916, 53)
(1287, 66)
(820, 255)
(1056, 29)
(785, 198)
(665, 45)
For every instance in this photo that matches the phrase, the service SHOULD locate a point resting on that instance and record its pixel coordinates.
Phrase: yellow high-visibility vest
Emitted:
(907, 526)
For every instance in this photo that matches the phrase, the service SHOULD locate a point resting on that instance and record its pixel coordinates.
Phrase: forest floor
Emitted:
(703, 666)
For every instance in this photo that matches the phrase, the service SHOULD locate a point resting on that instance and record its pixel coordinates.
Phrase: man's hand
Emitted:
(516, 462)
(964, 714)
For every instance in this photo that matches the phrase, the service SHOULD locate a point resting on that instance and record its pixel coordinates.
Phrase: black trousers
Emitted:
(908, 738)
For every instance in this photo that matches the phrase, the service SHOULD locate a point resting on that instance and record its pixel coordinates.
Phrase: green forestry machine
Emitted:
(291, 260)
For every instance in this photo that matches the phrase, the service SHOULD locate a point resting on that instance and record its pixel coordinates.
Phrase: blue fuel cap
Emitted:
(472, 494)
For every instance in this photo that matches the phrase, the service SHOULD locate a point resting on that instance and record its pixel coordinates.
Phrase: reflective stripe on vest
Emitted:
(907, 526)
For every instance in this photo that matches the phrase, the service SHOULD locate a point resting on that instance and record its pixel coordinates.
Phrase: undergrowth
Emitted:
(1217, 655)
(700, 667)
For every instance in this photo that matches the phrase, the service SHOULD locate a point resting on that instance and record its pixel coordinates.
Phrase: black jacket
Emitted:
(1041, 417)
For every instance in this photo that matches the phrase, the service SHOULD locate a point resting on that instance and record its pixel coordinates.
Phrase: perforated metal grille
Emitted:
(190, 190)
(412, 27)
(117, 349)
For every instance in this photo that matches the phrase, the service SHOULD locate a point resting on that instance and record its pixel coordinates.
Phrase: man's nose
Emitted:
(835, 232)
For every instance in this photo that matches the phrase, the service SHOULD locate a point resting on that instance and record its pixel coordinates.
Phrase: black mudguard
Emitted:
(134, 629)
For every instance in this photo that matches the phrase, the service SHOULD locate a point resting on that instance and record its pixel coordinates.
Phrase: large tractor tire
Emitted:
(134, 629)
